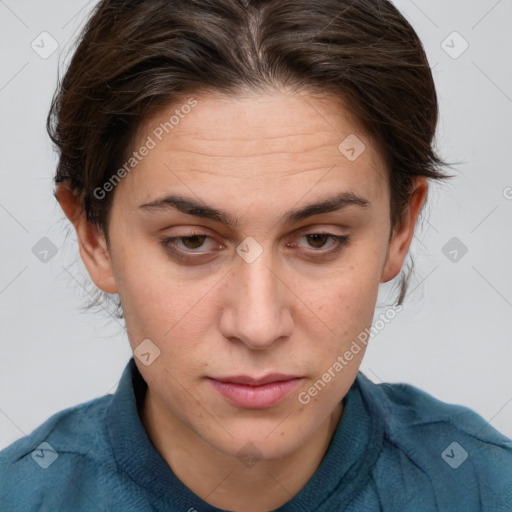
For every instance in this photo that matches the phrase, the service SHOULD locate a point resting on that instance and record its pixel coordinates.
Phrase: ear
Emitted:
(403, 233)
(93, 246)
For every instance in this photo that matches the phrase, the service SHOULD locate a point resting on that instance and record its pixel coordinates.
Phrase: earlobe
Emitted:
(91, 239)
(402, 236)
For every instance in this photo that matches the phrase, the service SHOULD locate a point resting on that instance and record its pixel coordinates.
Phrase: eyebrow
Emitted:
(198, 209)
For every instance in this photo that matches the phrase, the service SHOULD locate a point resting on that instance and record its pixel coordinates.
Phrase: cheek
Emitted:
(346, 301)
(161, 302)
(344, 311)
(157, 303)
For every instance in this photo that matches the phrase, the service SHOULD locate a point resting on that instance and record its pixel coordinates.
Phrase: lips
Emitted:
(255, 393)
(252, 381)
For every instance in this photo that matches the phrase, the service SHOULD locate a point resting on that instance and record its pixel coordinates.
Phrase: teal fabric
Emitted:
(395, 449)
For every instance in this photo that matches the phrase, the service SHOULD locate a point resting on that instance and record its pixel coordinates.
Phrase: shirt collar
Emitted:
(343, 470)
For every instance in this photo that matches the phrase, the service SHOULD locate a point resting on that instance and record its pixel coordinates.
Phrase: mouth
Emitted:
(255, 393)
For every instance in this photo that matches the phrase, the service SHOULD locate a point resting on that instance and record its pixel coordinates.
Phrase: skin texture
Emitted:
(293, 310)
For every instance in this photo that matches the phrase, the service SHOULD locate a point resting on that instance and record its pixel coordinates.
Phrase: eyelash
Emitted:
(169, 244)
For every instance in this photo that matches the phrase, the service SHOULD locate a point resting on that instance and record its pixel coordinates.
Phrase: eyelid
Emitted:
(172, 238)
(198, 257)
(307, 230)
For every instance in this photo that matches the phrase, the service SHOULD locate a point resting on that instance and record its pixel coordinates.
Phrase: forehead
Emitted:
(258, 141)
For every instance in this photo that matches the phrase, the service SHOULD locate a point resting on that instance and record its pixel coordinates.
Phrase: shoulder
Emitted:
(67, 446)
(447, 450)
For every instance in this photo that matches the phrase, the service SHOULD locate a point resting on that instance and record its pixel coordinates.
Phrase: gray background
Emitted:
(452, 338)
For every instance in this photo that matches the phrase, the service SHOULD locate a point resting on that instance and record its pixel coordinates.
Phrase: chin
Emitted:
(250, 442)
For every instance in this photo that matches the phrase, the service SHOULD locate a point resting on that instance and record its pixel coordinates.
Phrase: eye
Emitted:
(186, 248)
(319, 240)
(190, 242)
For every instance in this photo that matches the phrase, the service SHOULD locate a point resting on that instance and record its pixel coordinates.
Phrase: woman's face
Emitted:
(251, 285)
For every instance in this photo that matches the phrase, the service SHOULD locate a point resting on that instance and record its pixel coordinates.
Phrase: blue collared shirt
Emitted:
(396, 448)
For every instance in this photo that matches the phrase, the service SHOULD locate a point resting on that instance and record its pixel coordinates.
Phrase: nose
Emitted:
(258, 302)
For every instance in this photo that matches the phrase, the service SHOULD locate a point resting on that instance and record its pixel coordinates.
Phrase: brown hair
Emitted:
(134, 57)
